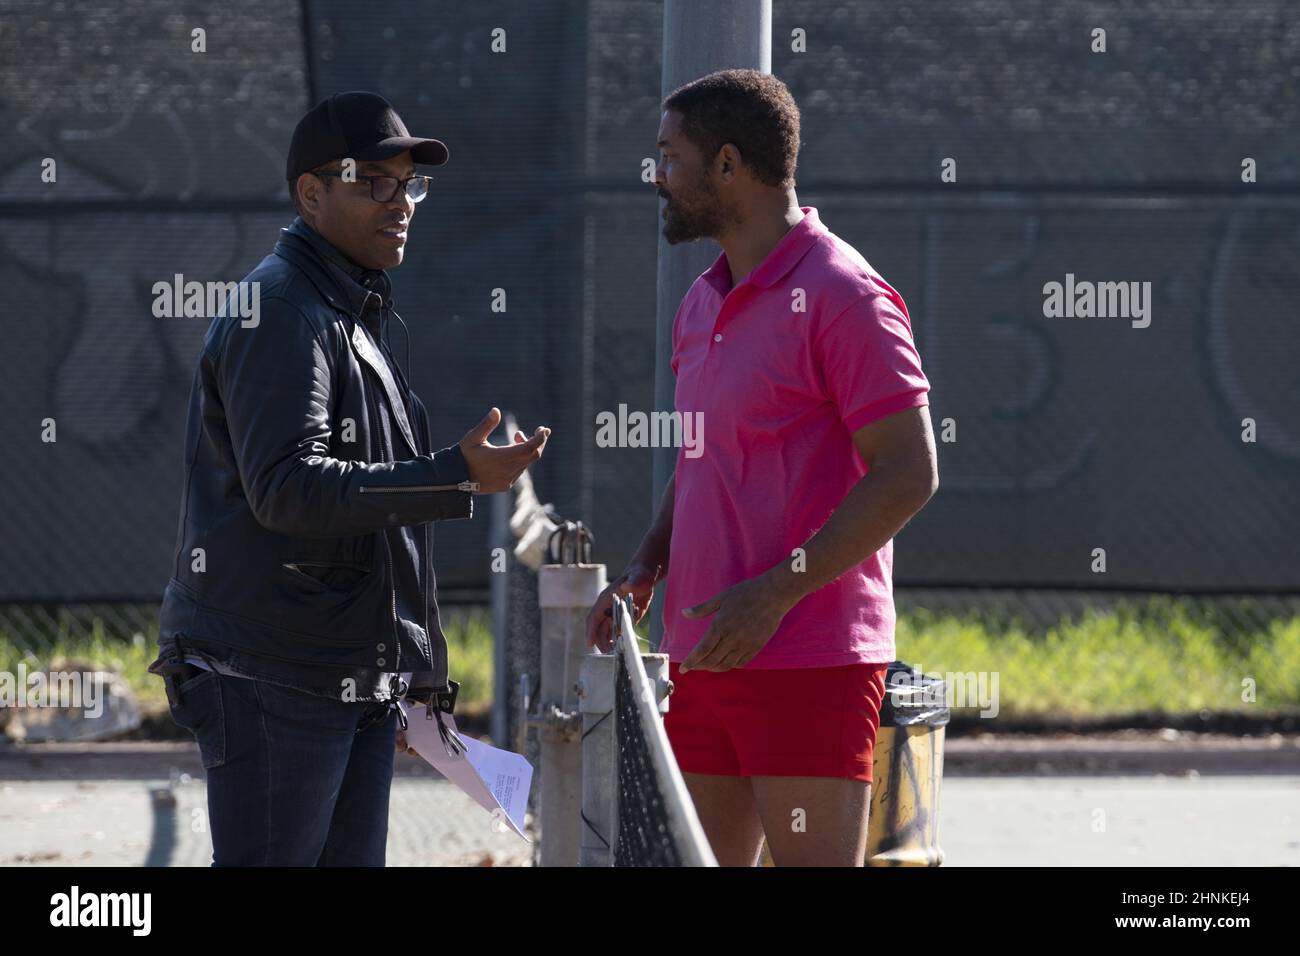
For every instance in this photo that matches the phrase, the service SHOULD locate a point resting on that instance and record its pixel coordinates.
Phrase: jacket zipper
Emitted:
(433, 708)
(459, 486)
(440, 653)
(426, 564)
(397, 640)
(388, 549)
(454, 744)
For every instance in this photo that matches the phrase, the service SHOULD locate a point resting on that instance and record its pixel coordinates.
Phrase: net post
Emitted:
(599, 761)
(565, 593)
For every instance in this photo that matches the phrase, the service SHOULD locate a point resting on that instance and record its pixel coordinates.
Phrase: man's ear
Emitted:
(728, 162)
(310, 189)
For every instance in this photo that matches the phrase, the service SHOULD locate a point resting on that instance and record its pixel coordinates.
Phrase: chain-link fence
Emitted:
(1060, 654)
(1058, 437)
(98, 634)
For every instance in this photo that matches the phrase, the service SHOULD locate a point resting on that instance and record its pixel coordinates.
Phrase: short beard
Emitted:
(703, 219)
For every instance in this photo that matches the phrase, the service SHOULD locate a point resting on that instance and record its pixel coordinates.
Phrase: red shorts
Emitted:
(790, 722)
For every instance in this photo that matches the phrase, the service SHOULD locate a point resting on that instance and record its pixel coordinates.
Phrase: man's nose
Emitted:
(403, 202)
(660, 178)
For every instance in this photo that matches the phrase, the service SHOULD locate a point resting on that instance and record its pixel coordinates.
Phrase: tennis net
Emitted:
(657, 824)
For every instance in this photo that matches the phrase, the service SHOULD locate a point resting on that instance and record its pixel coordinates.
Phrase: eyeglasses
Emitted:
(384, 188)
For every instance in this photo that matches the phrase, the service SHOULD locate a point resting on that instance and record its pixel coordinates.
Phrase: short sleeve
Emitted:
(677, 318)
(869, 363)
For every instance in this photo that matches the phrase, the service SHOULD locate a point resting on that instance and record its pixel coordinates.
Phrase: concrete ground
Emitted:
(1121, 821)
(149, 823)
(146, 805)
(1124, 799)
(1127, 798)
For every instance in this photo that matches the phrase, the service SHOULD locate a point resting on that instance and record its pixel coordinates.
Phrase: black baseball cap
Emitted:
(356, 125)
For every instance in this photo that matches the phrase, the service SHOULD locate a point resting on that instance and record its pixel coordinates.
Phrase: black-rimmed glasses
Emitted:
(384, 188)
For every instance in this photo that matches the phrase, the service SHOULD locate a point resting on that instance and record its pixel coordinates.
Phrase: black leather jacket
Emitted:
(310, 483)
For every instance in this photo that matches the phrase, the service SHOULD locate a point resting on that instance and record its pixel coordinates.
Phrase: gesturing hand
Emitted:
(495, 467)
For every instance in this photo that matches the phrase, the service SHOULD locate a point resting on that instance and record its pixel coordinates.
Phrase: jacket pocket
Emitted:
(339, 565)
(328, 575)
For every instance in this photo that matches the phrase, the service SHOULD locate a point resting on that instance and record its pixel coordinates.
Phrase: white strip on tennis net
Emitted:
(657, 824)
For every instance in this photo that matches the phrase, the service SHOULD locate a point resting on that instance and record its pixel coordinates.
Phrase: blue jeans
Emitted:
(293, 779)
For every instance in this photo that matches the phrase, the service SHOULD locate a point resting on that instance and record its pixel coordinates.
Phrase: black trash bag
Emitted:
(912, 699)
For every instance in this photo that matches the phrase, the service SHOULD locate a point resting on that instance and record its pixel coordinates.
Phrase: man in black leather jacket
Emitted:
(302, 587)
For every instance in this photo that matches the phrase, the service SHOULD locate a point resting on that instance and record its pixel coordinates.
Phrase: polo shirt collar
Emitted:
(785, 255)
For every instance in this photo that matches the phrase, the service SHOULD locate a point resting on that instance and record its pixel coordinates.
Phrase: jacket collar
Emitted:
(344, 285)
(361, 290)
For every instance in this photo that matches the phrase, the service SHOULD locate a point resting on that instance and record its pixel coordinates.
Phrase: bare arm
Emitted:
(648, 566)
(899, 449)
(653, 551)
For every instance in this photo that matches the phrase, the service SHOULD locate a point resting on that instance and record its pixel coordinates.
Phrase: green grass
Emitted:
(469, 642)
(469, 648)
(98, 649)
(1161, 655)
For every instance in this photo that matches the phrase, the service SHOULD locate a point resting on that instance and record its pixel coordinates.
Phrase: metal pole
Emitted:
(499, 537)
(700, 36)
(565, 593)
(500, 510)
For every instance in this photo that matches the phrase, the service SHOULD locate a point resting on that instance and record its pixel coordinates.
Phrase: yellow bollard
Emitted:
(906, 770)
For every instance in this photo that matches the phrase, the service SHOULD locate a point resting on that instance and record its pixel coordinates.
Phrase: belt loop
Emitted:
(170, 683)
(172, 675)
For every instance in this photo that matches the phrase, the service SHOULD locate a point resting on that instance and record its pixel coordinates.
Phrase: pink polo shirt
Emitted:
(781, 392)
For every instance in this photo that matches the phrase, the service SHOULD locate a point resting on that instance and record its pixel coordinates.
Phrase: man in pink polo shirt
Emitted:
(777, 539)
